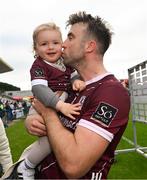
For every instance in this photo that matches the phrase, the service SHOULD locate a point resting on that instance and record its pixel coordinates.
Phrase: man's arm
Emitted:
(76, 153)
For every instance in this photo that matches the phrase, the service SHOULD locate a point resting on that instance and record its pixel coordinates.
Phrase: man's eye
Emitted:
(70, 37)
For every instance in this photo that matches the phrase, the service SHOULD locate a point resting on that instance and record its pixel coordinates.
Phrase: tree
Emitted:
(8, 87)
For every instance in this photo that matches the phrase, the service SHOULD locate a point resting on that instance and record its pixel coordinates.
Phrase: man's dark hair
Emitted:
(96, 27)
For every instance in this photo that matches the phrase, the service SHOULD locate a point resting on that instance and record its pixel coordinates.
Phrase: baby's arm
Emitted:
(78, 85)
(45, 95)
(50, 99)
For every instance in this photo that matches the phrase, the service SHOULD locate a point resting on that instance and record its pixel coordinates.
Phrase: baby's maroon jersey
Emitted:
(57, 80)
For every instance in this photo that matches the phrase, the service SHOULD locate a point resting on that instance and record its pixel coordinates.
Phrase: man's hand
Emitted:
(35, 125)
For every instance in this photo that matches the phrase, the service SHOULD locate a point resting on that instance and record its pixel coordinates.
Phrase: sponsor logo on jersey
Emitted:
(104, 113)
(39, 73)
(68, 123)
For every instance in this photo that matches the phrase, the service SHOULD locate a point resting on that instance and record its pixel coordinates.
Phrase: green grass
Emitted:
(19, 139)
(130, 165)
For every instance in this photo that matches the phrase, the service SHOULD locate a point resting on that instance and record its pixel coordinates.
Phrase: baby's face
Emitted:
(49, 45)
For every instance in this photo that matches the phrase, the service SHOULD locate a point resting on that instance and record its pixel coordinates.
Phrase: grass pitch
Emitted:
(128, 165)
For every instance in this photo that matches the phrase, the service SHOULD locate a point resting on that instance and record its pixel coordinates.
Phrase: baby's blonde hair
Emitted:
(43, 27)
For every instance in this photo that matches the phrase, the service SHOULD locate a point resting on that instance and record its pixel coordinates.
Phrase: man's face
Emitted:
(73, 46)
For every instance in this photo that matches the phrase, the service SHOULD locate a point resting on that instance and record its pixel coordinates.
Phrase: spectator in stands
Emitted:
(3, 114)
(25, 108)
(9, 114)
(1, 110)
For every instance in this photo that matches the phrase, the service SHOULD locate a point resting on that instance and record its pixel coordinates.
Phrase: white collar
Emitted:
(58, 65)
(97, 78)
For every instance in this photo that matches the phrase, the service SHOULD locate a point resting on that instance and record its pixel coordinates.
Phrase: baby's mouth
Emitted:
(51, 54)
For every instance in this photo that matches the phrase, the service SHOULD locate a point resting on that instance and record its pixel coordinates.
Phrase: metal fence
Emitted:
(138, 92)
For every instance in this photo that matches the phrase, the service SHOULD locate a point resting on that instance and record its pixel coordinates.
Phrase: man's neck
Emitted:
(87, 75)
(91, 69)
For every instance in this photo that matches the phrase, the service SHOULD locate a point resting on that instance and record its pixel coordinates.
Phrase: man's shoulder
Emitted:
(112, 83)
(110, 79)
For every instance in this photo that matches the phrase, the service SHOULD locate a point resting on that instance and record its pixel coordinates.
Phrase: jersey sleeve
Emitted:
(106, 111)
(38, 74)
(39, 82)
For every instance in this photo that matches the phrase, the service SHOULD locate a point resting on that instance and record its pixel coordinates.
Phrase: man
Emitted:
(84, 148)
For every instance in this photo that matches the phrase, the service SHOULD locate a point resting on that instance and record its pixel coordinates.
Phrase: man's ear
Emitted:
(90, 46)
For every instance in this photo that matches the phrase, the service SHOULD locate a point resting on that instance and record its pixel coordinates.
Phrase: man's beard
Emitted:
(74, 59)
(68, 61)
(73, 62)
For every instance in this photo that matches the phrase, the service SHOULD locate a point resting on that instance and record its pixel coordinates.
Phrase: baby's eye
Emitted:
(56, 42)
(43, 44)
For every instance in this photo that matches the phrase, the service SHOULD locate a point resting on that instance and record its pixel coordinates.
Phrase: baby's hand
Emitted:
(68, 109)
(78, 85)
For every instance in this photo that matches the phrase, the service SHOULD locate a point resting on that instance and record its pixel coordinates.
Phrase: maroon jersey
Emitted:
(105, 109)
(44, 73)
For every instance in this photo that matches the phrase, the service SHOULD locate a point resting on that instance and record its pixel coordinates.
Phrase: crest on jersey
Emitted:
(39, 73)
(104, 113)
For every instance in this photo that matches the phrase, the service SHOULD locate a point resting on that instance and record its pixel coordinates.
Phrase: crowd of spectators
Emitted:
(11, 110)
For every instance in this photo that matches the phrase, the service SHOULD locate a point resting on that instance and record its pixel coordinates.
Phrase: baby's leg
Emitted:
(39, 150)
